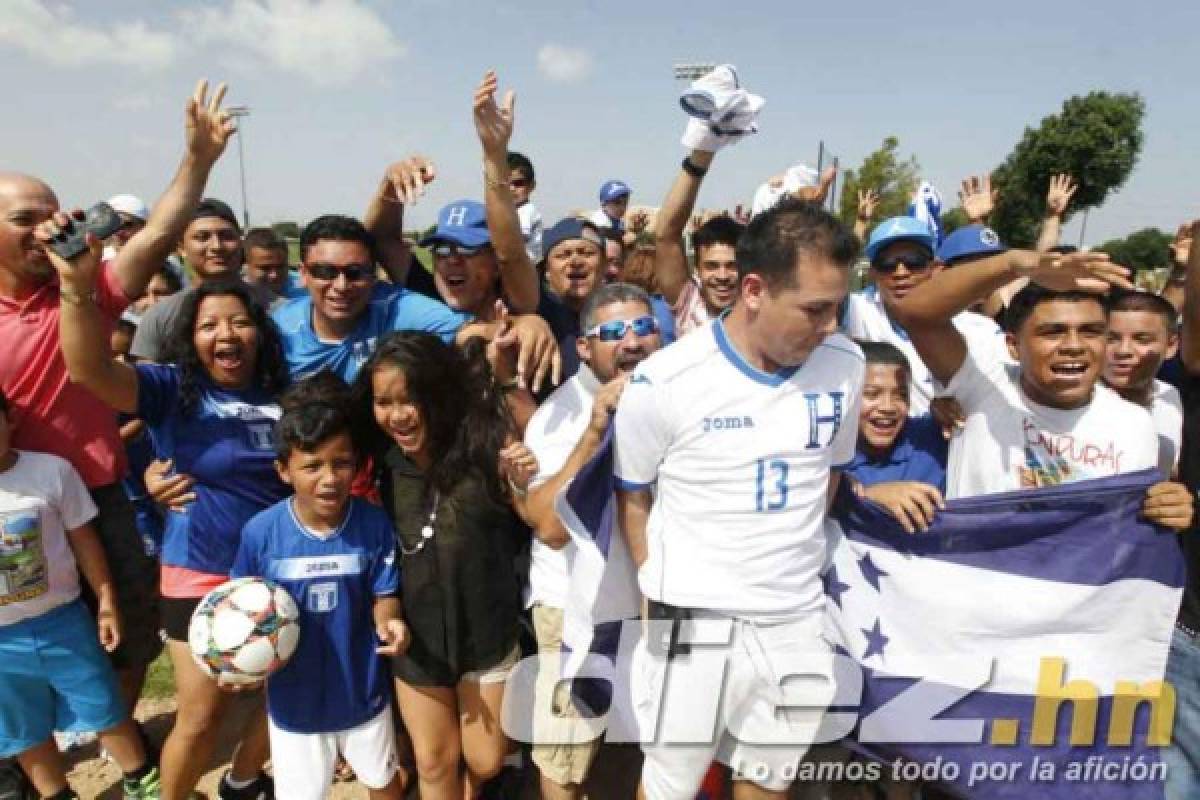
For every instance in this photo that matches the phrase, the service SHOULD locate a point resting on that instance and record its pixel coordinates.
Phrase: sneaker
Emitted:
(145, 788)
(263, 788)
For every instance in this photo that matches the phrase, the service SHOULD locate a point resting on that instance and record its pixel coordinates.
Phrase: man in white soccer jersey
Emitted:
(727, 446)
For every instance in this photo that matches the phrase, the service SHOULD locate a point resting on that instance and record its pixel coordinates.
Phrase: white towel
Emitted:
(720, 111)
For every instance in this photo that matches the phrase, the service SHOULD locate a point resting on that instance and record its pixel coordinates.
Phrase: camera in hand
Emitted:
(100, 220)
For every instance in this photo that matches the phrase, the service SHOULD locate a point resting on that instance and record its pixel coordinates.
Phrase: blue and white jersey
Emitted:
(741, 460)
(866, 318)
(391, 308)
(227, 446)
(335, 680)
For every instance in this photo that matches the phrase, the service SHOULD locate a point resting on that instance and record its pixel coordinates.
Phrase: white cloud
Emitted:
(51, 34)
(328, 42)
(564, 64)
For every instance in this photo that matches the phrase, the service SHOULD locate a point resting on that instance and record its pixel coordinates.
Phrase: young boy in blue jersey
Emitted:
(899, 461)
(53, 673)
(336, 556)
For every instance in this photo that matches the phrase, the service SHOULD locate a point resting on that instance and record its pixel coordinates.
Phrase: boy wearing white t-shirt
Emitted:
(727, 447)
(54, 676)
(1045, 420)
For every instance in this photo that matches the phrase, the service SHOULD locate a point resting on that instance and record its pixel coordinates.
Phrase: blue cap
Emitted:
(899, 229)
(463, 222)
(611, 190)
(571, 228)
(973, 241)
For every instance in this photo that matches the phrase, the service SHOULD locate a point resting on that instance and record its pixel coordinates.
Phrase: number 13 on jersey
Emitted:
(771, 485)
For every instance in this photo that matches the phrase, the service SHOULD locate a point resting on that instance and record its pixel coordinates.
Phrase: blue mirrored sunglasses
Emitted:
(614, 330)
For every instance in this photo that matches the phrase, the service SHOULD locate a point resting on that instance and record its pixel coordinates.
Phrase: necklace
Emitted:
(426, 531)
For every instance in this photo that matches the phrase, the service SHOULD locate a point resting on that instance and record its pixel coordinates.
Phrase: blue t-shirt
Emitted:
(666, 319)
(919, 454)
(391, 308)
(227, 446)
(335, 680)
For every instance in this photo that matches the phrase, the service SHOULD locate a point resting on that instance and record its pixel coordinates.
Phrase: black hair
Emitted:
(212, 207)
(1025, 301)
(722, 229)
(775, 239)
(608, 295)
(521, 163)
(126, 325)
(306, 427)
(270, 367)
(3, 403)
(884, 353)
(1135, 300)
(264, 239)
(171, 277)
(337, 228)
(466, 420)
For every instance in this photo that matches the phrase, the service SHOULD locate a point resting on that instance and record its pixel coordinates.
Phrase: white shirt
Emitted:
(1010, 442)
(1166, 409)
(531, 229)
(867, 319)
(603, 221)
(553, 431)
(41, 498)
(741, 460)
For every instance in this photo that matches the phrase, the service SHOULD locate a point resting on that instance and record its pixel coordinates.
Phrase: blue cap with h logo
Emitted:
(463, 222)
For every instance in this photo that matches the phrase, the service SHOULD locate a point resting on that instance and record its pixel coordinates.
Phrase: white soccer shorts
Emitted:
(304, 762)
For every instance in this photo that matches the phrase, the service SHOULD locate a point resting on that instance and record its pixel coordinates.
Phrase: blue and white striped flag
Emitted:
(983, 619)
(927, 206)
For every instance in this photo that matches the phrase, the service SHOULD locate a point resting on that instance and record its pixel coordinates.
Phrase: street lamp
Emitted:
(238, 112)
(690, 70)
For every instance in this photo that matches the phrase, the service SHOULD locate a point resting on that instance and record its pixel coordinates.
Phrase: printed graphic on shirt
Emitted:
(1052, 459)
(23, 572)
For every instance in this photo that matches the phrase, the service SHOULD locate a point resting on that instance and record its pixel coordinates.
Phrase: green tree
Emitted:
(1148, 248)
(894, 179)
(286, 229)
(1095, 138)
(954, 219)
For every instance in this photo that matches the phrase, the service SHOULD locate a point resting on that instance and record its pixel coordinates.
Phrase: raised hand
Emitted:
(868, 201)
(81, 271)
(208, 126)
(404, 181)
(818, 193)
(1181, 247)
(1058, 196)
(493, 123)
(977, 196)
(1088, 272)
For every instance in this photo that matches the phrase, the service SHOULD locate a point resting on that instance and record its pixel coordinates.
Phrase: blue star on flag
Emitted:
(876, 641)
(833, 587)
(870, 572)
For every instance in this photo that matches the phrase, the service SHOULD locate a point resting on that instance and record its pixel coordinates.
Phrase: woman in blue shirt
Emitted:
(211, 412)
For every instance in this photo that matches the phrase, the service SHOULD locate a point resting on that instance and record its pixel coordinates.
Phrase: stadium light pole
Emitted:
(239, 113)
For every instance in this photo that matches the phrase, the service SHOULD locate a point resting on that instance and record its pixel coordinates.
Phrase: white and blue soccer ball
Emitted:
(244, 630)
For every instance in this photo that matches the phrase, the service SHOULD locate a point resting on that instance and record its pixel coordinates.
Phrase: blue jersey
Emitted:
(391, 308)
(918, 454)
(335, 680)
(227, 447)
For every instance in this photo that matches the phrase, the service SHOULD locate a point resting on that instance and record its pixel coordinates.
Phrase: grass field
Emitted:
(160, 679)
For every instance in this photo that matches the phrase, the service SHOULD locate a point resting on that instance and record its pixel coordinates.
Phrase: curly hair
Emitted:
(466, 420)
(270, 366)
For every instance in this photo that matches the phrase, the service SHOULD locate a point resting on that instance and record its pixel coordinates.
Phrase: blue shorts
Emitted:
(54, 676)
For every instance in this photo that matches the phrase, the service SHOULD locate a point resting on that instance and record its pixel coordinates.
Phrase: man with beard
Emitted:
(566, 432)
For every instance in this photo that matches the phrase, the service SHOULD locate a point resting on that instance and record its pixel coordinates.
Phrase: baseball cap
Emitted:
(899, 229)
(571, 228)
(973, 241)
(611, 190)
(212, 207)
(129, 204)
(463, 222)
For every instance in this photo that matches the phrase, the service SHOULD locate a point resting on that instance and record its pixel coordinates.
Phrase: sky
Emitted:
(93, 93)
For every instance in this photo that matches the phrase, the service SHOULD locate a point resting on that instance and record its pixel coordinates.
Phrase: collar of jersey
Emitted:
(307, 531)
(745, 367)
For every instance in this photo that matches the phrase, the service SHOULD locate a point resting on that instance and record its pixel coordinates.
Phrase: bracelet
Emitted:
(692, 169)
(74, 298)
(494, 183)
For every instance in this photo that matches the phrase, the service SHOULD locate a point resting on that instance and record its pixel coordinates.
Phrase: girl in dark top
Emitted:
(448, 471)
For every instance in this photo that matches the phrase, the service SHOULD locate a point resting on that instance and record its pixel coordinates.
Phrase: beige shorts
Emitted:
(497, 673)
(564, 764)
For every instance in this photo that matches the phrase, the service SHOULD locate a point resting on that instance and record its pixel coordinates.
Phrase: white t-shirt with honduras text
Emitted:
(867, 319)
(1010, 442)
(41, 498)
(741, 460)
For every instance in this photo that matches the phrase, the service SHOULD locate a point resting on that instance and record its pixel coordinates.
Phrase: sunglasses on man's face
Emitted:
(912, 262)
(447, 250)
(615, 329)
(353, 272)
(518, 183)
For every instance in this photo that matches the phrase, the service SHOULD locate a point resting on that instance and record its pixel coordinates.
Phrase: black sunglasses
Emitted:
(913, 262)
(353, 272)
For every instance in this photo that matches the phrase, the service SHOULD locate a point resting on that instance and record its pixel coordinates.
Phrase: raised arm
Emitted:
(402, 184)
(208, 130)
(81, 327)
(1174, 292)
(670, 258)
(1058, 197)
(494, 125)
(868, 199)
(978, 198)
(1189, 348)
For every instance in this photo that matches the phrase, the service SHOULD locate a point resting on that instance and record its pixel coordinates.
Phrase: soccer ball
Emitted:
(244, 630)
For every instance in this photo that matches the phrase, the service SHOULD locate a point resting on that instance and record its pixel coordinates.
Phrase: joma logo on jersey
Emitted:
(320, 567)
(824, 413)
(726, 423)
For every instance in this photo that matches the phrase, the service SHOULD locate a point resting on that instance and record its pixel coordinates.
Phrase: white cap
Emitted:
(800, 176)
(131, 205)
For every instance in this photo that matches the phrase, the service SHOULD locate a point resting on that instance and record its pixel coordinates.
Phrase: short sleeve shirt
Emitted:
(50, 413)
(918, 454)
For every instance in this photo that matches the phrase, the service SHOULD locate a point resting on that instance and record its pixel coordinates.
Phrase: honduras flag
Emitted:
(969, 634)
(927, 207)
